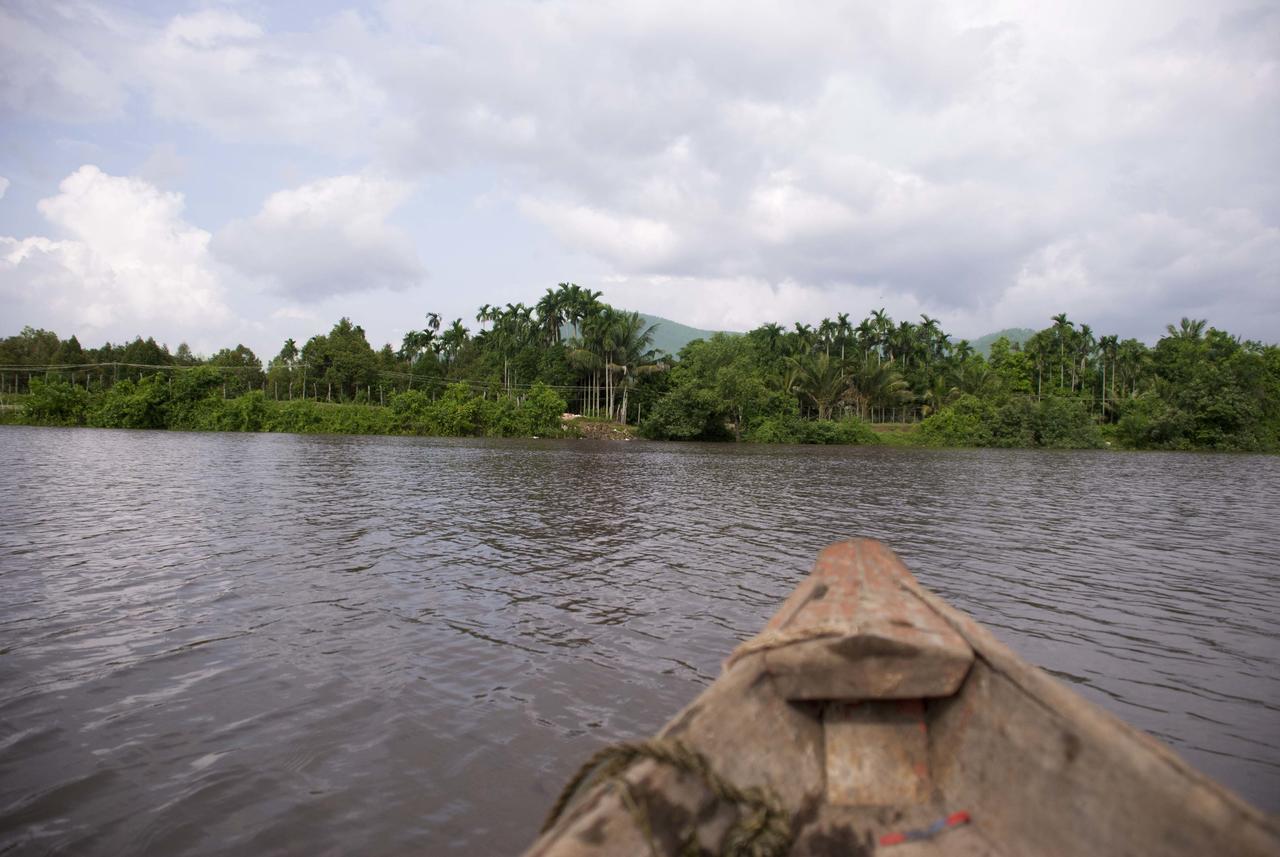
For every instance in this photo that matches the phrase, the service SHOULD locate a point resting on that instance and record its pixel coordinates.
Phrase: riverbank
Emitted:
(195, 403)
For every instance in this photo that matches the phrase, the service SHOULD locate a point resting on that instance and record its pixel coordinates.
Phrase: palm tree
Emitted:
(1189, 329)
(975, 378)
(632, 355)
(878, 384)
(453, 340)
(826, 334)
(805, 337)
(1084, 348)
(412, 345)
(882, 324)
(1060, 329)
(843, 331)
(1037, 349)
(866, 337)
(821, 379)
(902, 341)
(551, 315)
(929, 339)
(590, 351)
(1108, 345)
(773, 333)
(578, 304)
(1131, 360)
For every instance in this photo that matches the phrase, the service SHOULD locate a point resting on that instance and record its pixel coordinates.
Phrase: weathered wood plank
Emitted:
(853, 631)
(877, 753)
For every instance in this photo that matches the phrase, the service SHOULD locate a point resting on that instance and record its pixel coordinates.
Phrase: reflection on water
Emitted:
(227, 644)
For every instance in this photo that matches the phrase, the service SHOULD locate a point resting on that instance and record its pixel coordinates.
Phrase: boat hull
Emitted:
(879, 718)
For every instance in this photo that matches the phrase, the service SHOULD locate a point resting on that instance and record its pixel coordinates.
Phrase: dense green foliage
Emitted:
(1198, 388)
(194, 402)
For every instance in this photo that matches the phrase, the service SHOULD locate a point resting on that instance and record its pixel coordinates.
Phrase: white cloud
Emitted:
(327, 237)
(4, 186)
(128, 260)
(961, 158)
(634, 242)
(62, 61)
(219, 69)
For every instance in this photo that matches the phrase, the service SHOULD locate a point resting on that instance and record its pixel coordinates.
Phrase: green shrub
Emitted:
(965, 422)
(195, 401)
(1013, 424)
(849, 430)
(136, 405)
(411, 411)
(686, 413)
(55, 402)
(456, 413)
(355, 419)
(543, 407)
(949, 428)
(794, 429)
(249, 412)
(1065, 423)
(300, 416)
(774, 429)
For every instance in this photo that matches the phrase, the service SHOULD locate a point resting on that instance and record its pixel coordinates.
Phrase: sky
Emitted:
(241, 172)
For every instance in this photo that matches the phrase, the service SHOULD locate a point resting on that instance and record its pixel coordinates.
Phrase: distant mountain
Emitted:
(1018, 335)
(671, 336)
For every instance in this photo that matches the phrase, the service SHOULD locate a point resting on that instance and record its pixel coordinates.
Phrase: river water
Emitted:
(231, 644)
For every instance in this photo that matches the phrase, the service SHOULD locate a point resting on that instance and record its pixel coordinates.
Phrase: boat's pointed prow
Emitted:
(867, 714)
(856, 629)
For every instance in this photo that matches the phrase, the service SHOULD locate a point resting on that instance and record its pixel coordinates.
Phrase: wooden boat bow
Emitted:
(879, 718)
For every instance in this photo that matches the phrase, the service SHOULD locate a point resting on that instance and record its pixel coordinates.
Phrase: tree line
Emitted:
(836, 382)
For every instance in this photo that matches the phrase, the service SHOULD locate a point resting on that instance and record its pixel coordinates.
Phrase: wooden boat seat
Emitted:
(853, 631)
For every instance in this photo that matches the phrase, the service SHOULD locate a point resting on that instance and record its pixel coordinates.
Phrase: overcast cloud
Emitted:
(236, 172)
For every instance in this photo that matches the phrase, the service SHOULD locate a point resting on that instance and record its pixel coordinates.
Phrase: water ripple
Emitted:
(220, 644)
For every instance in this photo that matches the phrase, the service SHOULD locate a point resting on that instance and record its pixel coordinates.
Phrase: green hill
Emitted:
(1019, 335)
(671, 336)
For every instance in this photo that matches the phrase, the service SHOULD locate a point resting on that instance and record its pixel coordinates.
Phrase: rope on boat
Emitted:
(788, 636)
(763, 826)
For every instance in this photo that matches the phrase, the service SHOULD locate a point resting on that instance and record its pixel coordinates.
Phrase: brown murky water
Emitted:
(231, 644)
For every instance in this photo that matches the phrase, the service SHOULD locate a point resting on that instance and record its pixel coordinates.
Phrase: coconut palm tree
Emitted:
(974, 377)
(633, 355)
(875, 384)
(1189, 328)
(821, 379)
